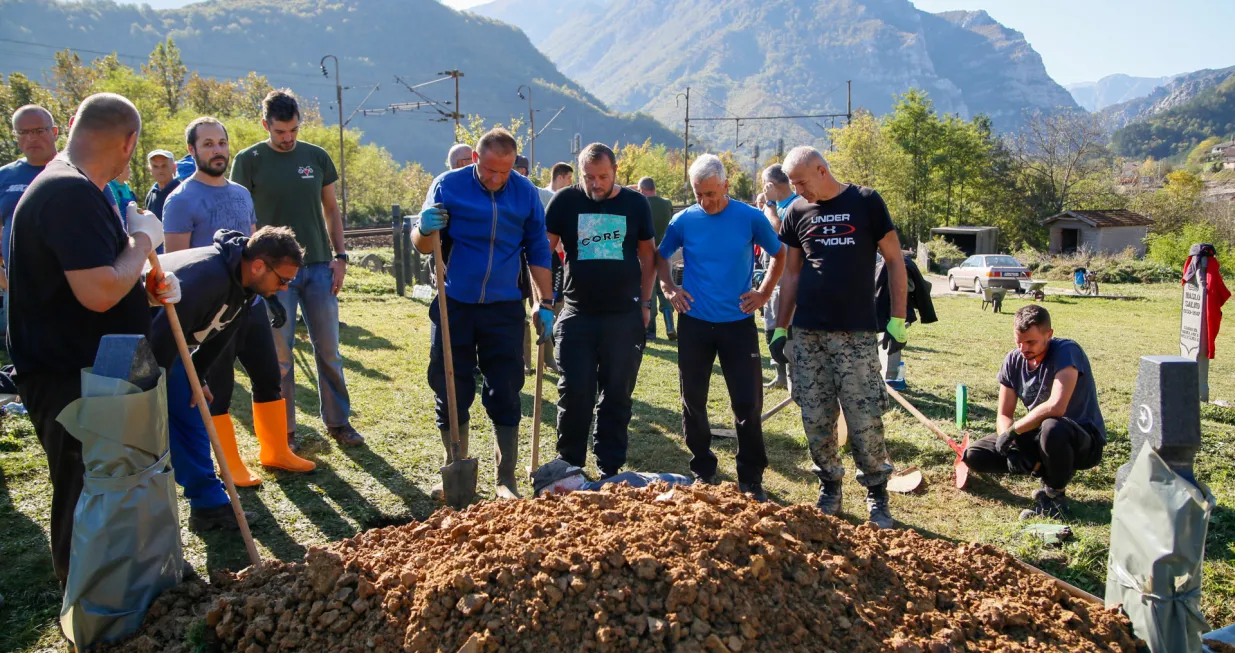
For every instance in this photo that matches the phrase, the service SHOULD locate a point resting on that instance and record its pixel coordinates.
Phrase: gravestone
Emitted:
(1165, 414)
(1193, 336)
(127, 357)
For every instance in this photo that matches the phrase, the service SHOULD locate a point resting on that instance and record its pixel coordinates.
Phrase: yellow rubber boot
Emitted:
(241, 475)
(270, 425)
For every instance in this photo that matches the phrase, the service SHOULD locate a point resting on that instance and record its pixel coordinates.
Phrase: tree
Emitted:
(1055, 152)
(914, 128)
(168, 72)
(861, 150)
(1176, 204)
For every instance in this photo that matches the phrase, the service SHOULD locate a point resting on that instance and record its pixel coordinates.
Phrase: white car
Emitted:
(988, 271)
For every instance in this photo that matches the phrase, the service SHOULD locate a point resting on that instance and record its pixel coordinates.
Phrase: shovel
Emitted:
(458, 477)
(733, 433)
(540, 377)
(962, 470)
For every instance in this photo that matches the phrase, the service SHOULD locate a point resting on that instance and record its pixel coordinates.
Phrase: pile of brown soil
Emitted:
(689, 569)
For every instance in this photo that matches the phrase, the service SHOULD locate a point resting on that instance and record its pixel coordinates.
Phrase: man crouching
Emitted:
(1063, 431)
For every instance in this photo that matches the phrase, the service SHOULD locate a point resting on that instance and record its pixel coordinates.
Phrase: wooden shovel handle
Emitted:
(452, 405)
(925, 422)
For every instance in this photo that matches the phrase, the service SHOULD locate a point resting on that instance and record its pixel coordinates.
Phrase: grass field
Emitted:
(385, 343)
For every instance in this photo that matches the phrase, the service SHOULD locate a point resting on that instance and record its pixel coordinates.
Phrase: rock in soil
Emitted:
(693, 569)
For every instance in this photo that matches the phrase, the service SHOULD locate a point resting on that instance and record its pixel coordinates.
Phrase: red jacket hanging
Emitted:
(1215, 296)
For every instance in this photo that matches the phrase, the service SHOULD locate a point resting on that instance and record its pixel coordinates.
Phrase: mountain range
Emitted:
(1114, 89)
(1178, 92)
(745, 59)
(375, 41)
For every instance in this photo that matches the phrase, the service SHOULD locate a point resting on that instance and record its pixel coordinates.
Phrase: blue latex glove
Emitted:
(544, 324)
(432, 219)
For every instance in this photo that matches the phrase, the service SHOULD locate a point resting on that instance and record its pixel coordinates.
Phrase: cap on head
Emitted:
(552, 472)
(165, 153)
(522, 162)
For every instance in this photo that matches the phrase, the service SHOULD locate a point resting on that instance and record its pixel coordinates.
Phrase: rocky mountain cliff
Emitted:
(1114, 89)
(1174, 94)
(790, 57)
(374, 40)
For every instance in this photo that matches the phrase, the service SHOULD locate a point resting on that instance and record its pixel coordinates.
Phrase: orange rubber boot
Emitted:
(270, 425)
(241, 475)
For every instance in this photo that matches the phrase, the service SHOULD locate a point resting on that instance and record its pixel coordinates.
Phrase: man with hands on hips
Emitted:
(488, 220)
(717, 237)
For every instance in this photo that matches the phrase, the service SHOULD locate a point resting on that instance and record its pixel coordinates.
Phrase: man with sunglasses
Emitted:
(204, 204)
(219, 284)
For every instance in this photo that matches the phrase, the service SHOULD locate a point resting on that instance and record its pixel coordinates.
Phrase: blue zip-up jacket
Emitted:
(486, 234)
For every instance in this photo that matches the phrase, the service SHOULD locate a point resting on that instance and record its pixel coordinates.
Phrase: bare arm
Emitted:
(542, 283)
(422, 243)
(647, 264)
(1007, 408)
(898, 278)
(678, 297)
(334, 219)
(176, 242)
(753, 300)
(769, 211)
(101, 288)
(1055, 405)
(789, 286)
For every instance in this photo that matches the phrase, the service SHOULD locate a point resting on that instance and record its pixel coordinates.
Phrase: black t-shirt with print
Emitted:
(64, 223)
(601, 240)
(838, 238)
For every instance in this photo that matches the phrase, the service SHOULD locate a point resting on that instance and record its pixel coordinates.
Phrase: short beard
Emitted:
(603, 197)
(208, 170)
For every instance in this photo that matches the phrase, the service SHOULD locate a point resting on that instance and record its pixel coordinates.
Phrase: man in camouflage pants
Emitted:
(838, 229)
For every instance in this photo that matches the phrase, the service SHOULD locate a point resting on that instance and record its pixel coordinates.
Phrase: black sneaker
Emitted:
(877, 504)
(672, 335)
(1049, 504)
(755, 490)
(830, 494)
(707, 480)
(346, 435)
(217, 518)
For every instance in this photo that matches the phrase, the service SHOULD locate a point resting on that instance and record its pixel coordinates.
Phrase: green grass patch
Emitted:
(386, 342)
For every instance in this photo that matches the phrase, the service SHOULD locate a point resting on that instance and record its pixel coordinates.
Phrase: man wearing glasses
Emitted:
(36, 133)
(459, 156)
(220, 282)
(201, 206)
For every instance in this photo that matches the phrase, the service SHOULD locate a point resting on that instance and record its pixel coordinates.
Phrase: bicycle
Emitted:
(1085, 282)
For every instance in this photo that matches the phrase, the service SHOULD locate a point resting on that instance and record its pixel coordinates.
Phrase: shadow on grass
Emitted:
(361, 338)
(417, 502)
(31, 591)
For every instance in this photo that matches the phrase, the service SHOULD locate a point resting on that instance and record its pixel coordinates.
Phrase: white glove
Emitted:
(170, 294)
(145, 222)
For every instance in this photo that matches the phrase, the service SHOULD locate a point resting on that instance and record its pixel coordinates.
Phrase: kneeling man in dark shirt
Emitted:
(1063, 430)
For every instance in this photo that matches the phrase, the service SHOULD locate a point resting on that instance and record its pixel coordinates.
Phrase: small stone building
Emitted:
(1109, 231)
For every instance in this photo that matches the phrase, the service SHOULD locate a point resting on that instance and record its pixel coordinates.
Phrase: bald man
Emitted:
(74, 277)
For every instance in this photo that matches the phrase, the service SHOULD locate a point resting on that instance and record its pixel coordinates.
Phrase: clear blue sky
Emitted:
(1085, 40)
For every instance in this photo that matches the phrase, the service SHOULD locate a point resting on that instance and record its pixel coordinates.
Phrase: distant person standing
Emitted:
(662, 213)
(75, 277)
(606, 231)
(562, 176)
(779, 194)
(292, 185)
(459, 156)
(203, 205)
(717, 237)
(36, 138)
(121, 194)
(162, 166)
(832, 238)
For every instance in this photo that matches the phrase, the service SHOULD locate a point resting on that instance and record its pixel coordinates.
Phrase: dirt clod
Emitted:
(697, 569)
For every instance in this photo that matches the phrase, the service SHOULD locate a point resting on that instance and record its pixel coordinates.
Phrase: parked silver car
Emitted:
(988, 271)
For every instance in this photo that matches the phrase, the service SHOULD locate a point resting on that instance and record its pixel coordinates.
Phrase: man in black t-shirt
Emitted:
(1063, 430)
(74, 277)
(829, 292)
(606, 231)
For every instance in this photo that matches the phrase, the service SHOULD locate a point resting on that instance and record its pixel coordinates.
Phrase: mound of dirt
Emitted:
(689, 569)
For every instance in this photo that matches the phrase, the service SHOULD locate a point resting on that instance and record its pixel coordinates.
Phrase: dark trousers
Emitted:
(737, 344)
(1061, 445)
(486, 335)
(253, 346)
(45, 395)
(598, 352)
(660, 305)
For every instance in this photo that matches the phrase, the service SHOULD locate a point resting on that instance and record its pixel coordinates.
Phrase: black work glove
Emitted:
(1003, 444)
(777, 347)
(892, 345)
(278, 316)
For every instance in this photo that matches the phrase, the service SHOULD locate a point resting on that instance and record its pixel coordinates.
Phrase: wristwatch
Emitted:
(343, 257)
(647, 304)
(546, 304)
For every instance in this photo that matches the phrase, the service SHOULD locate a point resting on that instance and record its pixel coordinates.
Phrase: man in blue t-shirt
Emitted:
(36, 138)
(1063, 430)
(717, 237)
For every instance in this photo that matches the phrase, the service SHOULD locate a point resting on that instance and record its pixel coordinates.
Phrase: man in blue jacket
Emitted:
(487, 218)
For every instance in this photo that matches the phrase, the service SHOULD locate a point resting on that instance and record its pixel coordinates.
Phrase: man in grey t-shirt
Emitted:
(207, 201)
(1063, 431)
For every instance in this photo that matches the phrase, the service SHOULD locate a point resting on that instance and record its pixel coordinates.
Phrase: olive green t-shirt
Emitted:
(662, 213)
(287, 191)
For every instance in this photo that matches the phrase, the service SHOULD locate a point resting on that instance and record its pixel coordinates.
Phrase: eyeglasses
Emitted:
(36, 131)
(282, 281)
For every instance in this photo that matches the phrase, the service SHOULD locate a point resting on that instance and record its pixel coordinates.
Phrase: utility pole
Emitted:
(338, 90)
(848, 101)
(756, 158)
(455, 114)
(531, 121)
(686, 141)
(737, 129)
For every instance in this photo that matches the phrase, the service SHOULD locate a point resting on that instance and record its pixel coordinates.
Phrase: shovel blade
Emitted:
(459, 482)
(905, 481)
